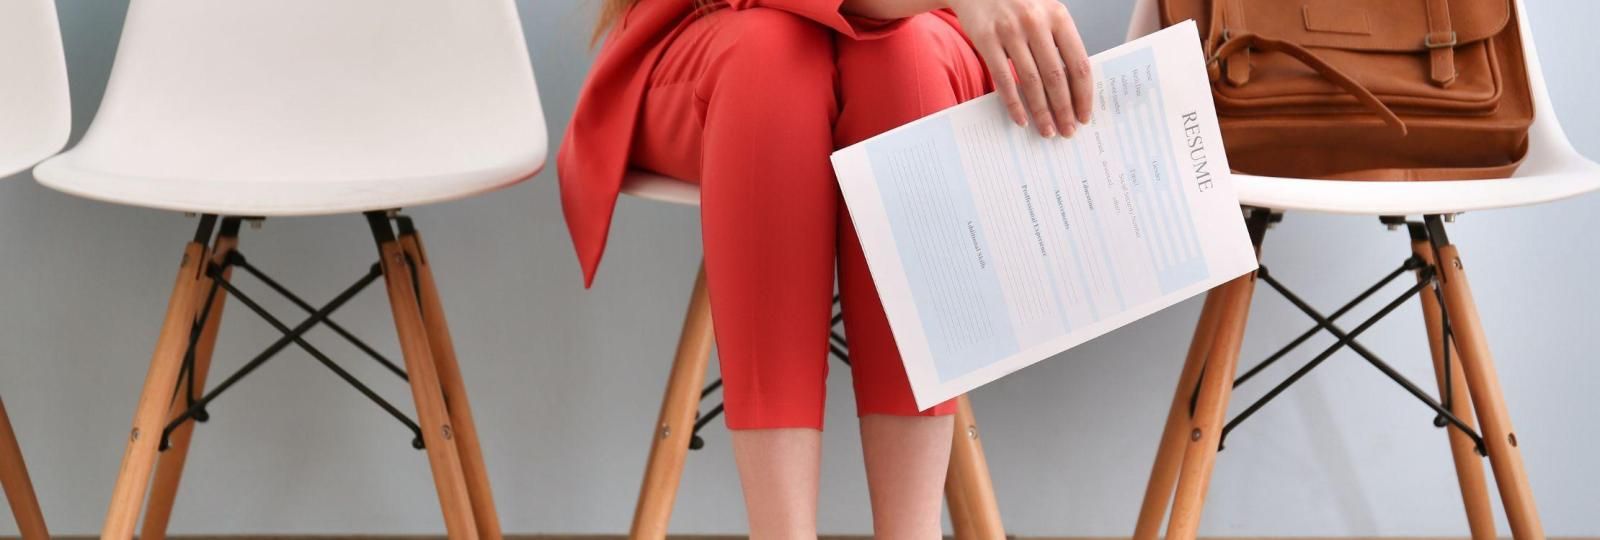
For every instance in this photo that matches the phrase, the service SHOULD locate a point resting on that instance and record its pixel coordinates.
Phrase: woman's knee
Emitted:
(773, 47)
(921, 68)
(926, 51)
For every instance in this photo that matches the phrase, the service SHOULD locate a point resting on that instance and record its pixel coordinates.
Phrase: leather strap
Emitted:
(1238, 65)
(1322, 67)
(1214, 38)
(1441, 42)
(1235, 46)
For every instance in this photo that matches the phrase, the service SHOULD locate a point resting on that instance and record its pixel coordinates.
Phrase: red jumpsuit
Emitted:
(749, 100)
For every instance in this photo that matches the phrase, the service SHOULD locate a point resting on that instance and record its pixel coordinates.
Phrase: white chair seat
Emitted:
(656, 187)
(303, 196)
(1531, 186)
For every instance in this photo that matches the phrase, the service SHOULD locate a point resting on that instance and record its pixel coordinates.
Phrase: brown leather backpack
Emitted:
(1366, 89)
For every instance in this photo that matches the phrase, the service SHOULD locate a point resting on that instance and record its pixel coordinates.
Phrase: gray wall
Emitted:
(567, 381)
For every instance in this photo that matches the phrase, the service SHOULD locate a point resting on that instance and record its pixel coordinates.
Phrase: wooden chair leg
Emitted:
(455, 390)
(670, 441)
(1211, 407)
(438, 435)
(1169, 456)
(169, 466)
(16, 485)
(150, 416)
(1469, 467)
(1500, 441)
(969, 481)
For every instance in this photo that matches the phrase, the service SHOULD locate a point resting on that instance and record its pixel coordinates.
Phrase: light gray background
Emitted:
(567, 382)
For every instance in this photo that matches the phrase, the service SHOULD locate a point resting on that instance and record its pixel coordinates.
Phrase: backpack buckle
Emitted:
(1445, 43)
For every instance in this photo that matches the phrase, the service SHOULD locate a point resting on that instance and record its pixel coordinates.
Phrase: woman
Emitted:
(748, 98)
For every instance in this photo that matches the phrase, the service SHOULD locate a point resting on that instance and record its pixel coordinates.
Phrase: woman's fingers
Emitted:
(999, 71)
(1035, 58)
(1030, 84)
(1075, 57)
(1054, 78)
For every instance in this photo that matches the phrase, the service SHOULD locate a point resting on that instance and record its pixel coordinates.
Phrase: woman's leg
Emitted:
(778, 474)
(906, 459)
(744, 101)
(924, 67)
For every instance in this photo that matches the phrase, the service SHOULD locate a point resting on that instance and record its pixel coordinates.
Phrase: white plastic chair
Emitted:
(237, 110)
(968, 491)
(35, 119)
(35, 109)
(1553, 170)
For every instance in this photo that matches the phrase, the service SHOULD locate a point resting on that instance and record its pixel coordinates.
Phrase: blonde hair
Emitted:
(610, 11)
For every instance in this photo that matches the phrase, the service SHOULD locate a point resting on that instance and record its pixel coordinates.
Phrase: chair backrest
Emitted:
(308, 90)
(35, 109)
(1548, 144)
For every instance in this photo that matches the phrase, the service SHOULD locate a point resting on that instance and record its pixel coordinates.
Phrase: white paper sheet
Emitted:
(993, 248)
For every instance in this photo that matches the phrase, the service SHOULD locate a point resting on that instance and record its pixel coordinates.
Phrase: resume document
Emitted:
(993, 248)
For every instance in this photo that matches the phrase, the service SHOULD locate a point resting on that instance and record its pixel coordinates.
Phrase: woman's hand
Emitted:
(1041, 42)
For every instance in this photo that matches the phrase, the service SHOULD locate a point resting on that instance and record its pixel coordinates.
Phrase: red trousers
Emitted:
(751, 103)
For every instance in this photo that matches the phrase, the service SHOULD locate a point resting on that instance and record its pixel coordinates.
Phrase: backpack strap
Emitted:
(1441, 42)
(1225, 41)
(1214, 37)
(1238, 66)
(1333, 74)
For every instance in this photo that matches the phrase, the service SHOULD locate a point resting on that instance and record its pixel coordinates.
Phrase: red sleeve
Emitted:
(826, 12)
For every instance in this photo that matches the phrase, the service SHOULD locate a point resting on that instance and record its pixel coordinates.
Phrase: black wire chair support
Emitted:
(195, 405)
(1431, 230)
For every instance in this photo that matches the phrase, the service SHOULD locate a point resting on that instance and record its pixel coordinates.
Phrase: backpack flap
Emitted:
(1424, 56)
